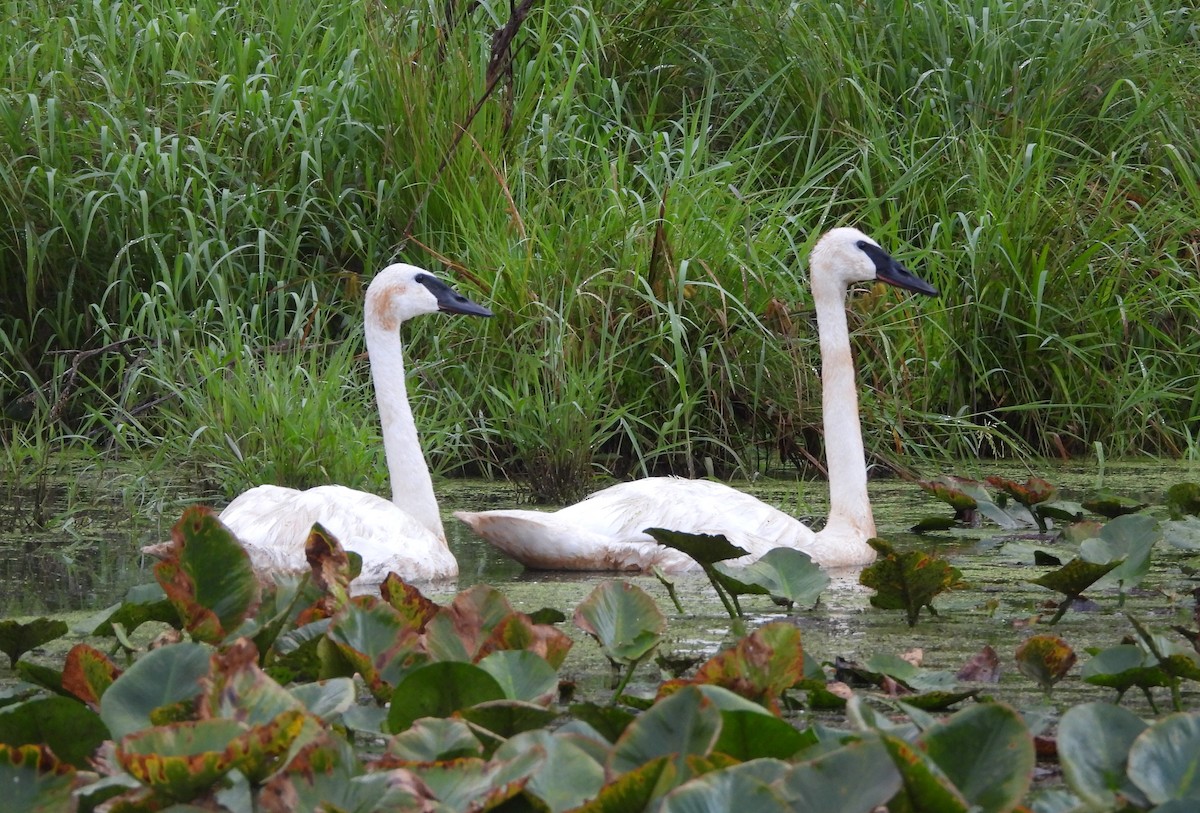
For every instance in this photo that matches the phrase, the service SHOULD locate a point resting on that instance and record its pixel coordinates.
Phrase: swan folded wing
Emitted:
(273, 524)
(606, 531)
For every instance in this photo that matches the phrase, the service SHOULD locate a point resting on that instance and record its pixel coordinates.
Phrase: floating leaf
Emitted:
(983, 667)
(1045, 659)
(908, 581)
(748, 787)
(1110, 505)
(329, 564)
(1129, 540)
(17, 638)
(928, 524)
(1183, 500)
(950, 490)
(207, 576)
(1033, 491)
(1093, 747)
(458, 631)
(786, 574)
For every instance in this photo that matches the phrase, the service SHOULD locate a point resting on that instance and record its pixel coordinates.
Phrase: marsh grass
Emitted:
(634, 198)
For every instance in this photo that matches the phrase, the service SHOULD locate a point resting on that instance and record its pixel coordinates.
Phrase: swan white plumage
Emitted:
(404, 535)
(605, 531)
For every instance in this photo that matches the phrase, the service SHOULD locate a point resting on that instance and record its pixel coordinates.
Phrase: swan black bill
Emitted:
(450, 300)
(890, 270)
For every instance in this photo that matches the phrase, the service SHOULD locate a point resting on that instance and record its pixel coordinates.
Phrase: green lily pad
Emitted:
(623, 619)
(682, 725)
(34, 780)
(433, 739)
(786, 574)
(440, 689)
(71, 730)
(17, 638)
(1183, 500)
(1093, 747)
(1164, 760)
(1072, 579)
(161, 677)
(907, 581)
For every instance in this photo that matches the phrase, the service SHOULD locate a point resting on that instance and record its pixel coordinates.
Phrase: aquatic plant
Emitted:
(908, 580)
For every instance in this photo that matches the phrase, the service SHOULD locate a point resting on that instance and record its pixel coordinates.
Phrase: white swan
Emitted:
(405, 535)
(605, 531)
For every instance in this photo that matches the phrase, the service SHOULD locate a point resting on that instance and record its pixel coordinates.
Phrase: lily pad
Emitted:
(71, 730)
(161, 677)
(907, 581)
(1093, 747)
(1164, 761)
(1072, 579)
(1046, 659)
(17, 638)
(786, 574)
(34, 780)
(438, 690)
(623, 619)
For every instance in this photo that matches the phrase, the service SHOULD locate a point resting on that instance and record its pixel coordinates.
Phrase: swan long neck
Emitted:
(412, 487)
(849, 505)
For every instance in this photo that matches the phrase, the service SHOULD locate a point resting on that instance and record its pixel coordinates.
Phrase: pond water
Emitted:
(96, 519)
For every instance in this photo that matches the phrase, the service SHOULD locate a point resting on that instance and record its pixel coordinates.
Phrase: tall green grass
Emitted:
(635, 200)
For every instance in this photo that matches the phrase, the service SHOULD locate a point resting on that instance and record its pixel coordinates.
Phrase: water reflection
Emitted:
(88, 555)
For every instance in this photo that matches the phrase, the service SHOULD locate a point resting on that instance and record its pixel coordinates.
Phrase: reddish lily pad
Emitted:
(1046, 659)
(1033, 491)
(761, 667)
(87, 674)
(207, 576)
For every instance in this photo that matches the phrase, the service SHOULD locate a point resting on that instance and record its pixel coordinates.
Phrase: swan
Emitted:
(404, 535)
(605, 531)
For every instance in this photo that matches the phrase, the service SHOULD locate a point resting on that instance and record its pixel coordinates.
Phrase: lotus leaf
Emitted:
(506, 718)
(375, 640)
(434, 739)
(523, 675)
(849, 779)
(567, 777)
(180, 760)
(786, 574)
(473, 784)
(87, 674)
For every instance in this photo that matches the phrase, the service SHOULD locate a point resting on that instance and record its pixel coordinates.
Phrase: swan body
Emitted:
(404, 535)
(606, 530)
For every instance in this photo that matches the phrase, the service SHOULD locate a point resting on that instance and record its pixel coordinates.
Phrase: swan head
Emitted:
(402, 291)
(848, 256)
